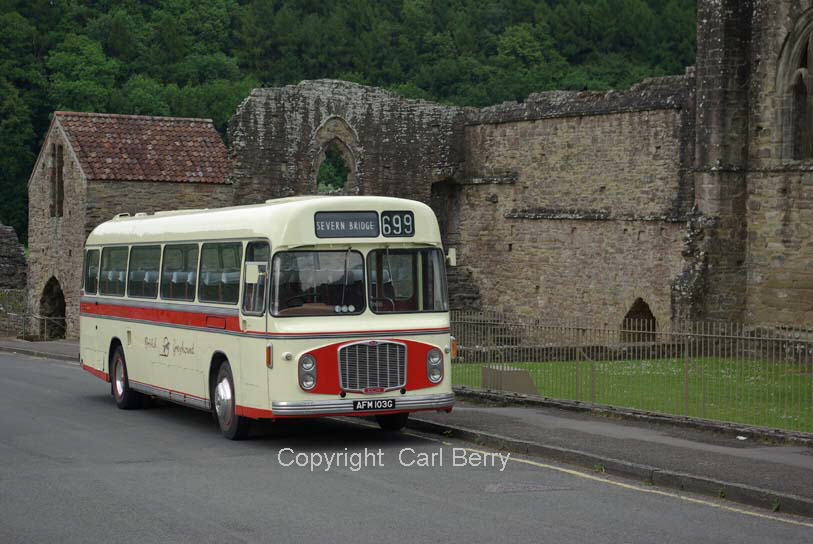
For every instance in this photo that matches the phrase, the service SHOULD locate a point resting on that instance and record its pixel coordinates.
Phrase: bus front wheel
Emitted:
(126, 398)
(231, 425)
(392, 422)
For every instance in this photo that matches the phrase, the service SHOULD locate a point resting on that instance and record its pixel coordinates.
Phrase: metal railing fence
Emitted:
(30, 326)
(757, 375)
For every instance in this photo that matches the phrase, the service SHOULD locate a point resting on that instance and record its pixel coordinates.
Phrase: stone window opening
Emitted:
(52, 311)
(802, 130)
(57, 180)
(333, 170)
(639, 324)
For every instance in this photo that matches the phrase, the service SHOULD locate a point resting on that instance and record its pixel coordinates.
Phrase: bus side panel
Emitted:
(89, 351)
(253, 373)
(126, 333)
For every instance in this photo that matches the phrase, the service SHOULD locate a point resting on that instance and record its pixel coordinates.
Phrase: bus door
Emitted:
(254, 315)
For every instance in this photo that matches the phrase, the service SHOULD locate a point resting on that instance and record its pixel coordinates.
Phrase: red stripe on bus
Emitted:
(253, 413)
(163, 316)
(98, 373)
(159, 315)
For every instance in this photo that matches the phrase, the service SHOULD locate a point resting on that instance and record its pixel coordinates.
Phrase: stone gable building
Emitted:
(94, 166)
(689, 195)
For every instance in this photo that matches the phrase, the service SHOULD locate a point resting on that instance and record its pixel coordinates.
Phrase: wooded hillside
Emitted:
(200, 58)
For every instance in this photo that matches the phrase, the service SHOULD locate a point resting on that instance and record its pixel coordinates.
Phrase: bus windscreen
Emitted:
(311, 283)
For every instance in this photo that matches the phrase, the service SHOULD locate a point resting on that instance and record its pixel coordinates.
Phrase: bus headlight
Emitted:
(307, 372)
(307, 362)
(434, 365)
(307, 381)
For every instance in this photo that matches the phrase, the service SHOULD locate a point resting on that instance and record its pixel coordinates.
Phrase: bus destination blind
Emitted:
(346, 224)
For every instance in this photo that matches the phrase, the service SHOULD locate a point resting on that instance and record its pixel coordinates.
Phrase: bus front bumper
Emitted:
(443, 401)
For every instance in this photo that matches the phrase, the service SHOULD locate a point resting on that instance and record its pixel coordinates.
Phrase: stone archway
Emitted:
(52, 311)
(336, 139)
(639, 324)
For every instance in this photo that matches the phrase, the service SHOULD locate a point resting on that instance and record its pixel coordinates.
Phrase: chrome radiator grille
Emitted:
(372, 365)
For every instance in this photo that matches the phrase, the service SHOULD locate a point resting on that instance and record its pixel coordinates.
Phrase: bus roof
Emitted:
(288, 222)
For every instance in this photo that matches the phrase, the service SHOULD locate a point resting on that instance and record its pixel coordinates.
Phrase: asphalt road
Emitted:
(74, 468)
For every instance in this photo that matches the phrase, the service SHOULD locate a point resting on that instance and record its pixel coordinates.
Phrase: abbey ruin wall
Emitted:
(574, 205)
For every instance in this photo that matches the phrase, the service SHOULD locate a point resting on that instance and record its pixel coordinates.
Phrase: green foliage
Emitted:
(201, 57)
(332, 172)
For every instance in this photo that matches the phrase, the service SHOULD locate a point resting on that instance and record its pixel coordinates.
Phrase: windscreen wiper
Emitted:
(344, 287)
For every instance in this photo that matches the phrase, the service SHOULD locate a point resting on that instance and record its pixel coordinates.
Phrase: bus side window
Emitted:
(143, 276)
(113, 271)
(91, 276)
(178, 272)
(220, 272)
(256, 276)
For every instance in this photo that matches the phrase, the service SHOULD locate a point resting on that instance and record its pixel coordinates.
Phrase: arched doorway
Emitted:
(52, 311)
(639, 324)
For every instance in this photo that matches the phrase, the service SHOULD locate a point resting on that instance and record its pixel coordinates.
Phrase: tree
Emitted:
(16, 158)
(82, 77)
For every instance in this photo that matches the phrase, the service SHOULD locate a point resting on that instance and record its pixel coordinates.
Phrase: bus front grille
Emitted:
(372, 366)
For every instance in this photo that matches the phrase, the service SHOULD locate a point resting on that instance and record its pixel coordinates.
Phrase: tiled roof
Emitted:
(139, 147)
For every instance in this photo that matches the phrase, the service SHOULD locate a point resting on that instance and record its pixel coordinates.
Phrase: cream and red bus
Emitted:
(298, 307)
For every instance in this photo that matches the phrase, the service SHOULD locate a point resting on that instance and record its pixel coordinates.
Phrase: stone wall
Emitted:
(779, 211)
(104, 198)
(573, 205)
(12, 260)
(394, 146)
(723, 38)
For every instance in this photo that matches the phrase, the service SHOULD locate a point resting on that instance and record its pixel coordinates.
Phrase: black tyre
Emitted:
(392, 422)
(126, 398)
(224, 407)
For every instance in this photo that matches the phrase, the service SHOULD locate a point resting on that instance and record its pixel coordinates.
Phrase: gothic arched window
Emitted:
(795, 86)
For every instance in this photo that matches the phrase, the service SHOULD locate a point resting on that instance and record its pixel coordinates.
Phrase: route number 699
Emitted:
(397, 224)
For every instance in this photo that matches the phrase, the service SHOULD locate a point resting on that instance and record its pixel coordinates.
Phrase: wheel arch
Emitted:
(217, 359)
(115, 342)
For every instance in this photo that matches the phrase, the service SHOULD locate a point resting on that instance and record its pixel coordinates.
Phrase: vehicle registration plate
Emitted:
(374, 404)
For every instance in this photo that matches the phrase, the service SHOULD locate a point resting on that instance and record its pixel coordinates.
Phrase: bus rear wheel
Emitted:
(232, 426)
(392, 422)
(126, 398)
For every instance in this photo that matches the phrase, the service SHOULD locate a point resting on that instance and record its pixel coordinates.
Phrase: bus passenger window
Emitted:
(143, 276)
(113, 271)
(257, 254)
(178, 272)
(220, 272)
(91, 271)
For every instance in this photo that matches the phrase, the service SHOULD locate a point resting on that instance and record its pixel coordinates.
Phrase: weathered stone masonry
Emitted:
(568, 204)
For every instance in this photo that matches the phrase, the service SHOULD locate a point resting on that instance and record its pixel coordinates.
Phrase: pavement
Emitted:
(716, 464)
(748, 471)
(77, 469)
(66, 350)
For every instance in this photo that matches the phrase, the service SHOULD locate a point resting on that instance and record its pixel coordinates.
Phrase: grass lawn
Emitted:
(754, 392)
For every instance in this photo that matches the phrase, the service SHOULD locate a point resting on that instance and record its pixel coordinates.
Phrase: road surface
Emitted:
(74, 468)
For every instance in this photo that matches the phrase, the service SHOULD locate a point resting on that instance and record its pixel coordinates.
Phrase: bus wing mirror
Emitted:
(252, 273)
(451, 256)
